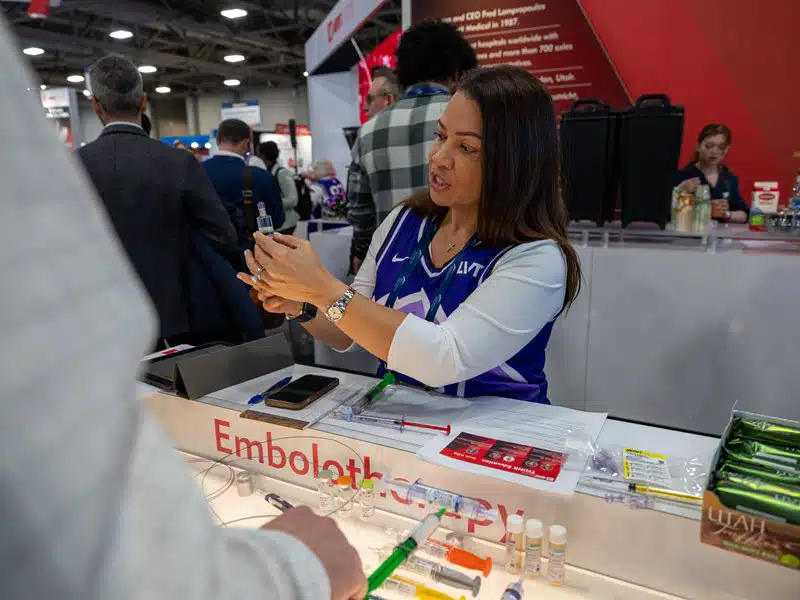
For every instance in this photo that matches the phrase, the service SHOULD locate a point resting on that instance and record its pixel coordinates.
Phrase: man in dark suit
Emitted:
(155, 195)
(227, 171)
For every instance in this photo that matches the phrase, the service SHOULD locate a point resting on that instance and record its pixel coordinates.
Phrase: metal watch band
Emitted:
(334, 312)
(307, 313)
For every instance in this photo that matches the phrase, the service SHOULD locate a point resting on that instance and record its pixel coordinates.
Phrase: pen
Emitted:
(278, 502)
(260, 397)
(364, 402)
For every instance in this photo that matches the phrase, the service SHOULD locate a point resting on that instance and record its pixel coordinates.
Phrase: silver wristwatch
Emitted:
(334, 312)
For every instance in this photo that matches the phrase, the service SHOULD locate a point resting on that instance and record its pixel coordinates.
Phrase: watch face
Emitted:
(334, 313)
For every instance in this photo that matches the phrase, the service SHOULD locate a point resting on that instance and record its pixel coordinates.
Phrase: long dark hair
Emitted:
(710, 131)
(520, 192)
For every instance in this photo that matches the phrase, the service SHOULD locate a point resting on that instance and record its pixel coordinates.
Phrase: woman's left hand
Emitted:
(291, 268)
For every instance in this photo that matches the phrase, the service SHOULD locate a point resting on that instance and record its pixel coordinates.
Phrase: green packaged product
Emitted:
(759, 485)
(776, 506)
(759, 453)
(766, 431)
(781, 477)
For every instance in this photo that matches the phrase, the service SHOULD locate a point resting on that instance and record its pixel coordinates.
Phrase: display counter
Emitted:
(614, 550)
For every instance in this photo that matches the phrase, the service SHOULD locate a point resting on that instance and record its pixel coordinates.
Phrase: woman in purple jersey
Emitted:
(463, 281)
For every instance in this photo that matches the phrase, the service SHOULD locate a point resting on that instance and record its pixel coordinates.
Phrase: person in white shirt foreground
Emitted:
(463, 282)
(96, 505)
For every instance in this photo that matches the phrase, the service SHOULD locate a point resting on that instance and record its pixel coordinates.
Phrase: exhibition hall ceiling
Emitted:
(195, 46)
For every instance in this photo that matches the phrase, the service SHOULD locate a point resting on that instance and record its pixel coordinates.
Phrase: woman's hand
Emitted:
(689, 185)
(289, 270)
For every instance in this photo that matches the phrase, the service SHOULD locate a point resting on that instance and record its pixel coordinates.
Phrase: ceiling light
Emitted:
(234, 58)
(162, 89)
(33, 51)
(208, 145)
(233, 13)
(147, 69)
(75, 78)
(231, 82)
(305, 73)
(121, 34)
(87, 93)
(43, 87)
(195, 145)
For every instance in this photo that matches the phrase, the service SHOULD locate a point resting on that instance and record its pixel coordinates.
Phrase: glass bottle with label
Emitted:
(327, 492)
(556, 567)
(366, 498)
(533, 548)
(345, 484)
(514, 544)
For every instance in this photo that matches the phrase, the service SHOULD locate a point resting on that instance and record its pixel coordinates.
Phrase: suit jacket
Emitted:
(155, 195)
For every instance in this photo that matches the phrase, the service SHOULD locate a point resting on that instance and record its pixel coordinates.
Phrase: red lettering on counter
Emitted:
(330, 464)
(219, 436)
(315, 460)
(471, 523)
(292, 460)
(271, 450)
(240, 441)
(353, 470)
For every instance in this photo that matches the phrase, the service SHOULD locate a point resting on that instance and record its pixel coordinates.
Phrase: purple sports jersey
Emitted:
(522, 376)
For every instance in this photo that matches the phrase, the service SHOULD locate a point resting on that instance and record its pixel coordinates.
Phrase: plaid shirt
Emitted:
(390, 161)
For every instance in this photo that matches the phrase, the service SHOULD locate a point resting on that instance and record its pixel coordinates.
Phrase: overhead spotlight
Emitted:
(305, 73)
(121, 34)
(231, 82)
(147, 69)
(195, 145)
(233, 13)
(208, 145)
(163, 89)
(43, 87)
(75, 78)
(87, 93)
(234, 58)
(33, 51)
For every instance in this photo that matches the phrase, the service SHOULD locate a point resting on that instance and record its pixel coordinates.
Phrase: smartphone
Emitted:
(301, 392)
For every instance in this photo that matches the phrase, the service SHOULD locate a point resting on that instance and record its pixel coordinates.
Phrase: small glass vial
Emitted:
(327, 492)
(264, 221)
(514, 544)
(345, 484)
(533, 548)
(366, 498)
(556, 567)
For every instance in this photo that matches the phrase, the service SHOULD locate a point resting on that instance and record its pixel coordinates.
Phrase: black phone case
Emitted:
(315, 396)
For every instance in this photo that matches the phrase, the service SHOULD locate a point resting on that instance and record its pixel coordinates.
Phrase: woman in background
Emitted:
(706, 168)
(327, 192)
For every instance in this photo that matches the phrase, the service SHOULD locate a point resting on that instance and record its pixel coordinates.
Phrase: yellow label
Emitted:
(643, 453)
(646, 467)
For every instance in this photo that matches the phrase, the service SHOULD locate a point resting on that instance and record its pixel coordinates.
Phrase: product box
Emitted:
(764, 201)
(757, 535)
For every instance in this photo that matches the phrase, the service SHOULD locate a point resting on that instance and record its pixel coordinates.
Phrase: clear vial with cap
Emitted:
(533, 548)
(556, 566)
(263, 220)
(514, 544)
(345, 484)
(366, 498)
(327, 492)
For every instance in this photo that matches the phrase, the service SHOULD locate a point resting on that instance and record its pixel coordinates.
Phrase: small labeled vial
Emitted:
(366, 498)
(514, 544)
(345, 484)
(327, 495)
(263, 220)
(556, 567)
(533, 548)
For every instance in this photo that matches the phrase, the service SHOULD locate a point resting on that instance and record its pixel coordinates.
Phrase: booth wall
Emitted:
(726, 61)
(333, 104)
(91, 126)
(278, 105)
(169, 117)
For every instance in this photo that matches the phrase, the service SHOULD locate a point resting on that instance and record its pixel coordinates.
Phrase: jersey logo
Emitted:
(474, 269)
(399, 259)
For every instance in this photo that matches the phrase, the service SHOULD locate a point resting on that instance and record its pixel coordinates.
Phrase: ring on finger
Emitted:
(257, 276)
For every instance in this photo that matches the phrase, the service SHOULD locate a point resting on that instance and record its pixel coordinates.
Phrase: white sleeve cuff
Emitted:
(288, 565)
(419, 349)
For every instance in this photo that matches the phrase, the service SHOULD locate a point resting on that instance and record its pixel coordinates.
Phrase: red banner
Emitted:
(283, 129)
(552, 40)
(382, 56)
(505, 456)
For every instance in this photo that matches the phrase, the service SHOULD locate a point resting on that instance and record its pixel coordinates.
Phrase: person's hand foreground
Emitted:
(324, 538)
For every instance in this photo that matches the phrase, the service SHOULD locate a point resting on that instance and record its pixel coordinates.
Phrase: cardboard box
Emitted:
(755, 535)
(764, 201)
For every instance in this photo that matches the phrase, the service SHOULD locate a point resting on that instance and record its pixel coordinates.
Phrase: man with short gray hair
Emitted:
(383, 92)
(155, 195)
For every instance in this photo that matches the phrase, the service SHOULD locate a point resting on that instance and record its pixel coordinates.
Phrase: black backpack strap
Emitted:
(248, 202)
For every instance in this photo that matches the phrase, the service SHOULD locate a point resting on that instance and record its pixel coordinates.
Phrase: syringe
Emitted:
(396, 423)
(513, 591)
(411, 589)
(405, 549)
(461, 505)
(437, 572)
(457, 556)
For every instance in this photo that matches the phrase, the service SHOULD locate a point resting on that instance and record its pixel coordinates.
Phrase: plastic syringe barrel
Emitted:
(462, 505)
(457, 556)
(438, 573)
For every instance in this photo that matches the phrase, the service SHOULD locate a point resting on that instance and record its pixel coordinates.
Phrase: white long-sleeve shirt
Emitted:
(523, 293)
(96, 505)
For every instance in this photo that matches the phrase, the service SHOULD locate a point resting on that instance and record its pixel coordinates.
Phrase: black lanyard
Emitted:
(412, 262)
